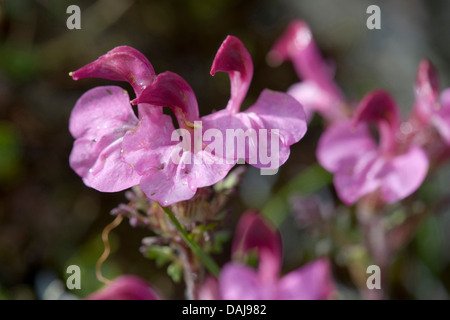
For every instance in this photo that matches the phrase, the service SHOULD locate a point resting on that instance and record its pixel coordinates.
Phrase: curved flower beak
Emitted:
(253, 232)
(233, 58)
(120, 64)
(427, 87)
(378, 107)
(295, 40)
(297, 44)
(171, 90)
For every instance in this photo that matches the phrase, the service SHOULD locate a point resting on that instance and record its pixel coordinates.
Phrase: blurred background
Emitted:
(50, 220)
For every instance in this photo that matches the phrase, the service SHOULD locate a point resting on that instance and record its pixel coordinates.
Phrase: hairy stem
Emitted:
(209, 263)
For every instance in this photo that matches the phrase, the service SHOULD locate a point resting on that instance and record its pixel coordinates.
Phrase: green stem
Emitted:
(212, 267)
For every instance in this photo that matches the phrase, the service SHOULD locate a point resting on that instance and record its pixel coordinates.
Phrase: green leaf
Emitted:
(161, 255)
(175, 271)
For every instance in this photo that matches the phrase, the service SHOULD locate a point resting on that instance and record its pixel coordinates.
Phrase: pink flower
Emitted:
(395, 167)
(274, 113)
(115, 150)
(125, 288)
(240, 282)
(103, 115)
(203, 163)
(318, 91)
(171, 169)
(432, 107)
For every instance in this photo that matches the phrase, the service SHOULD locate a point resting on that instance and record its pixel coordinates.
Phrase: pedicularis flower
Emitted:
(318, 91)
(125, 287)
(394, 166)
(238, 281)
(115, 150)
(103, 115)
(431, 107)
(275, 113)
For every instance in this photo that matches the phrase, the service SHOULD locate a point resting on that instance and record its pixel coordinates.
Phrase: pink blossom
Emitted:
(125, 287)
(115, 150)
(238, 281)
(317, 91)
(275, 112)
(395, 167)
(200, 164)
(171, 169)
(103, 115)
(432, 107)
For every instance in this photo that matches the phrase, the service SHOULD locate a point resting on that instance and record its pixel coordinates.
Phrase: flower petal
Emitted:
(283, 118)
(234, 58)
(298, 45)
(278, 110)
(146, 145)
(341, 144)
(312, 281)
(263, 133)
(209, 290)
(178, 181)
(406, 173)
(314, 99)
(426, 90)
(98, 122)
(379, 107)
(171, 90)
(441, 118)
(169, 185)
(172, 170)
(359, 176)
(253, 232)
(120, 64)
(125, 288)
(239, 282)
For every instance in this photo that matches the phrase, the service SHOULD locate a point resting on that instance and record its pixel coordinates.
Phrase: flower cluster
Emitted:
(179, 168)
(394, 166)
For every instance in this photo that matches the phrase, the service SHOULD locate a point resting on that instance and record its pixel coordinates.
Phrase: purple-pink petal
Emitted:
(98, 122)
(253, 232)
(341, 144)
(405, 174)
(359, 176)
(378, 107)
(209, 290)
(312, 281)
(240, 282)
(298, 45)
(314, 99)
(171, 170)
(171, 90)
(426, 90)
(441, 118)
(233, 58)
(125, 287)
(146, 145)
(277, 110)
(120, 64)
(274, 118)
(175, 182)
